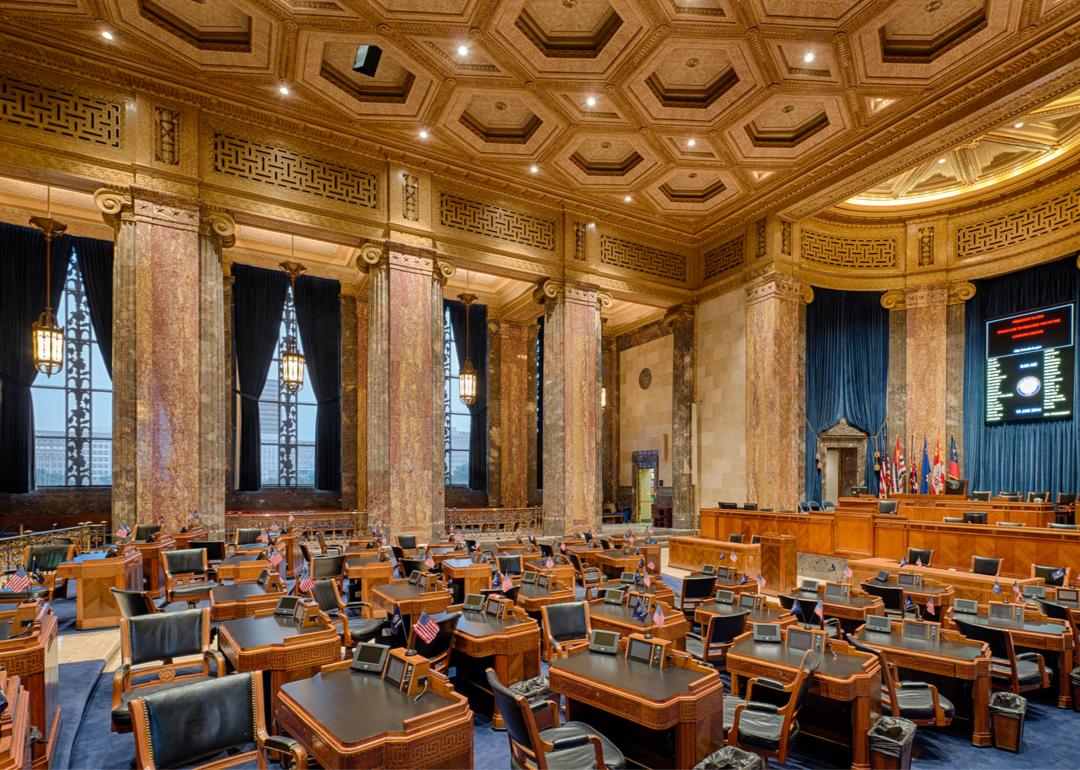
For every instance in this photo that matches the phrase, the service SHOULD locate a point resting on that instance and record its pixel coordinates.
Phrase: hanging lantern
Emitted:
(48, 335)
(467, 374)
(292, 360)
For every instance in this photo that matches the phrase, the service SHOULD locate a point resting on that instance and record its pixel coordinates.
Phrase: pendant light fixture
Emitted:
(48, 335)
(292, 361)
(467, 374)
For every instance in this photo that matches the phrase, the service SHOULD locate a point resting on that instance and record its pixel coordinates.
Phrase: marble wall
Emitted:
(645, 413)
(926, 369)
(721, 399)
(513, 373)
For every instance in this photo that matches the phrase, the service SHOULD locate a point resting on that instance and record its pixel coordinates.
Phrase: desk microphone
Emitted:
(420, 694)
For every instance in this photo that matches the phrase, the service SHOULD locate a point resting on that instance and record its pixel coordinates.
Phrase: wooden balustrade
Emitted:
(336, 526)
(494, 519)
(86, 536)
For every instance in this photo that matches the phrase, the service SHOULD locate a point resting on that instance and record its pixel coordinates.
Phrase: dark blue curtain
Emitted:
(1024, 457)
(847, 370)
(95, 259)
(478, 344)
(318, 316)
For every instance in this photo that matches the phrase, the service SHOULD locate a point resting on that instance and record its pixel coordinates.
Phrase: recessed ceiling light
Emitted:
(941, 160)
(283, 89)
(808, 57)
(691, 142)
(107, 34)
(463, 50)
(1018, 125)
(534, 169)
(423, 133)
(590, 101)
(628, 198)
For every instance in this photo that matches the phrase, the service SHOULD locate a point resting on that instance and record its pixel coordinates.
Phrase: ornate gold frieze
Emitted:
(641, 258)
(839, 251)
(1043, 218)
(54, 111)
(497, 222)
(724, 257)
(410, 197)
(167, 136)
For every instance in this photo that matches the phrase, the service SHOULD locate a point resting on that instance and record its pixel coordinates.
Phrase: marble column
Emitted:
(348, 397)
(571, 407)
(533, 480)
(361, 430)
(494, 409)
(157, 363)
(610, 421)
(405, 388)
(681, 321)
(775, 390)
(514, 435)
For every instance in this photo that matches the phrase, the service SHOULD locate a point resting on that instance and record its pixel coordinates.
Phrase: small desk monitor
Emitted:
(639, 599)
(639, 650)
(802, 640)
(605, 642)
(966, 607)
(909, 580)
(923, 632)
(883, 576)
(878, 623)
(767, 632)
(628, 578)
(809, 585)
(1034, 591)
(1068, 595)
(369, 658)
(614, 596)
(542, 581)
(724, 596)
(1006, 613)
(708, 569)
(395, 669)
(528, 577)
(473, 603)
(748, 602)
(286, 605)
(836, 592)
(414, 577)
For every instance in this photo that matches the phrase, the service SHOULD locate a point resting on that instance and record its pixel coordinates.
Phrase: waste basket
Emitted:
(1074, 680)
(731, 758)
(1007, 717)
(891, 740)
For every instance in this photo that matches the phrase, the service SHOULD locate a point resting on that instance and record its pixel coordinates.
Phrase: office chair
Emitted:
(566, 627)
(407, 566)
(755, 539)
(1038, 497)
(814, 505)
(588, 577)
(332, 548)
(711, 645)
(728, 506)
(766, 727)
(974, 517)
(438, 649)
(246, 537)
(143, 531)
(150, 645)
(408, 542)
(209, 718)
(1010, 671)
(981, 495)
(749, 506)
(40, 563)
(695, 590)
(187, 576)
(985, 565)
(917, 701)
(1063, 507)
(510, 565)
(894, 599)
(1052, 576)
(920, 555)
(1053, 610)
(327, 568)
(132, 604)
(565, 745)
(828, 505)
(353, 626)
(734, 537)
(887, 506)
(215, 549)
(804, 506)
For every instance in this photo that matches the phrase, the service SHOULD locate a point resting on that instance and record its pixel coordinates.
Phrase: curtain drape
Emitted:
(95, 260)
(478, 411)
(540, 402)
(258, 300)
(22, 298)
(1023, 457)
(847, 369)
(318, 316)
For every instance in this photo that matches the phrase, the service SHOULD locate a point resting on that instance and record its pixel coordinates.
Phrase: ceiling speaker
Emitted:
(367, 59)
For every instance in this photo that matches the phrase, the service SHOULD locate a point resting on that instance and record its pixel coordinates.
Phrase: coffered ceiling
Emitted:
(692, 114)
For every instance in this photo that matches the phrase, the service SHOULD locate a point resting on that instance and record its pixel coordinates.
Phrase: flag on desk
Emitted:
(918, 561)
(429, 562)
(426, 628)
(1018, 595)
(18, 582)
(495, 579)
(760, 581)
(562, 547)
(549, 564)
(903, 561)
(291, 518)
(274, 557)
(641, 563)
(909, 606)
(658, 616)
(819, 611)
(397, 623)
(734, 557)
(651, 565)
(646, 580)
(1058, 574)
(641, 611)
(954, 459)
(262, 536)
(997, 588)
(305, 583)
(796, 609)
(122, 531)
(506, 583)
(847, 572)
(930, 610)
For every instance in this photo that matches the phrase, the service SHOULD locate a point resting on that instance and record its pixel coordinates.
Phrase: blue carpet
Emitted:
(76, 684)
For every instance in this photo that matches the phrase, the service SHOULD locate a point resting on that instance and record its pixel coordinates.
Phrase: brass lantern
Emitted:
(467, 374)
(292, 360)
(48, 335)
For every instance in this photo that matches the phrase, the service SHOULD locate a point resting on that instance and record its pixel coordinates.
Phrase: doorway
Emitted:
(841, 471)
(646, 467)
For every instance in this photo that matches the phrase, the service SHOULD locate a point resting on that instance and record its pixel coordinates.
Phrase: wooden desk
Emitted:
(439, 554)
(703, 612)
(409, 599)
(276, 644)
(966, 585)
(15, 748)
(651, 551)
(33, 657)
(614, 562)
(153, 563)
(619, 617)
(241, 600)
(942, 595)
(532, 597)
(853, 610)
(183, 539)
(564, 573)
(465, 576)
(242, 567)
(346, 719)
(692, 553)
(94, 575)
(513, 547)
(364, 572)
(1036, 633)
(658, 589)
(952, 656)
(288, 545)
(814, 532)
(679, 706)
(510, 645)
(849, 677)
(934, 508)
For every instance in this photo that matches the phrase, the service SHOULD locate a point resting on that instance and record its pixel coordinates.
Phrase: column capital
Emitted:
(444, 271)
(680, 314)
(371, 255)
(115, 205)
(549, 288)
(217, 225)
(604, 300)
(929, 295)
(779, 286)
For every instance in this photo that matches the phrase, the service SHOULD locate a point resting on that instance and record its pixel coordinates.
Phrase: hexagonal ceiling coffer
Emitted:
(568, 29)
(498, 122)
(677, 194)
(922, 38)
(392, 82)
(692, 96)
(619, 162)
(608, 160)
(806, 124)
(214, 26)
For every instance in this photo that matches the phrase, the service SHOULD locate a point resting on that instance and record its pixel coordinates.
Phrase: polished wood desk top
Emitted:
(767, 615)
(1029, 626)
(451, 567)
(966, 585)
(479, 624)
(620, 617)
(844, 666)
(237, 592)
(238, 600)
(659, 685)
(532, 597)
(926, 589)
(658, 589)
(950, 649)
(691, 553)
(264, 631)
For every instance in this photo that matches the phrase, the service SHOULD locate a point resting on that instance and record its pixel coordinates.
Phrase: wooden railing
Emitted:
(336, 526)
(86, 536)
(494, 519)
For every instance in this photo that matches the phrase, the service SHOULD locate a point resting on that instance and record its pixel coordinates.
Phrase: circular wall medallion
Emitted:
(645, 378)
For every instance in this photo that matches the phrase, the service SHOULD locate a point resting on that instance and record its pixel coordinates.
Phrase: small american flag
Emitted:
(18, 582)
(819, 610)
(847, 572)
(918, 562)
(760, 582)
(562, 547)
(1017, 593)
(123, 531)
(734, 557)
(647, 580)
(549, 564)
(930, 606)
(306, 583)
(658, 616)
(506, 583)
(275, 557)
(429, 562)
(263, 537)
(426, 628)
(651, 565)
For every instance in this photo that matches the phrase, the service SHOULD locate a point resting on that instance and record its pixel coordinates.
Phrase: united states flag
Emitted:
(275, 557)
(549, 564)
(647, 580)
(819, 610)
(18, 582)
(262, 536)
(429, 562)
(930, 606)
(306, 583)
(506, 583)
(426, 628)
(658, 616)
(760, 582)
(123, 531)
(651, 565)
(562, 547)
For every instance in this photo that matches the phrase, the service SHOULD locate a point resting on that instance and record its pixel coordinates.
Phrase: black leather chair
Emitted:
(510, 565)
(695, 590)
(153, 649)
(1009, 497)
(328, 568)
(187, 577)
(1053, 610)
(749, 506)
(895, 600)
(981, 495)
(767, 721)
(975, 517)
(716, 638)
(1051, 576)
(1063, 508)
(985, 565)
(143, 531)
(1008, 670)
(205, 720)
(755, 539)
(1038, 497)
(734, 537)
(588, 577)
(569, 745)
(407, 566)
(408, 542)
(40, 563)
(132, 604)
(566, 627)
(353, 625)
(438, 649)
(918, 701)
(806, 618)
(246, 537)
(921, 556)
(887, 506)
(215, 549)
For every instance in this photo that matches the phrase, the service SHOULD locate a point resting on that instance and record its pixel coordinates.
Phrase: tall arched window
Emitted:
(458, 420)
